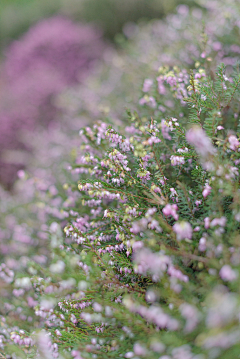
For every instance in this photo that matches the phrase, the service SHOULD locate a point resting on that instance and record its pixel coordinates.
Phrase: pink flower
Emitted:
(161, 87)
(171, 80)
(139, 349)
(219, 222)
(177, 160)
(234, 143)
(165, 129)
(202, 244)
(170, 210)
(190, 313)
(97, 307)
(196, 229)
(227, 273)
(152, 140)
(207, 222)
(203, 145)
(76, 354)
(183, 230)
(207, 190)
(148, 100)
(129, 355)
(147, 85)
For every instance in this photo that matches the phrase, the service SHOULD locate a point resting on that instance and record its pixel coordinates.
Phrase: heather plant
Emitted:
(136, 256)
(148, 264)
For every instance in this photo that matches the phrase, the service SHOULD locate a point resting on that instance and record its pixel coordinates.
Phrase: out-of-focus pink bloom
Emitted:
(198, 139)
(227, 273)
(233, 142)
(207, 190)
(76, 354)
(219, 222)
(183, 230)
(147, 85)
(153, 139)
(191, 314)
(165, 130)
(139, 349)
(171, 80)
(171, 210)
(177, 160)
(207, 222)
(202, 244)
(196, 229)
(161, 87)
(148, 100)
(129, 355)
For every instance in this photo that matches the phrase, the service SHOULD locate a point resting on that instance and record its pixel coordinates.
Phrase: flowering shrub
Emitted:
(137, 256)
(148, 265)
(53, 54)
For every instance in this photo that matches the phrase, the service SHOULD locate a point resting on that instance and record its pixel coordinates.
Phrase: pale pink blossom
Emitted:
(233, 142)
(139, 349)
(129, 355)
(198, 139)
(147, 85)
(219, 222)
(171, 210)
(177, 160)
(202, 244)
(165, 130)
(183, 230)
(207, 222)
(148, 100)
(227, 273)
(191, 314)
(207, 190)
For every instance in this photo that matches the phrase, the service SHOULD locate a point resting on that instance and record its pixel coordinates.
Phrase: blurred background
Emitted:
(16, 16)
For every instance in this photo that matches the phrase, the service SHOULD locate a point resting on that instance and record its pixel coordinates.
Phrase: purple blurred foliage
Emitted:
(54, 54)
(56, 43)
